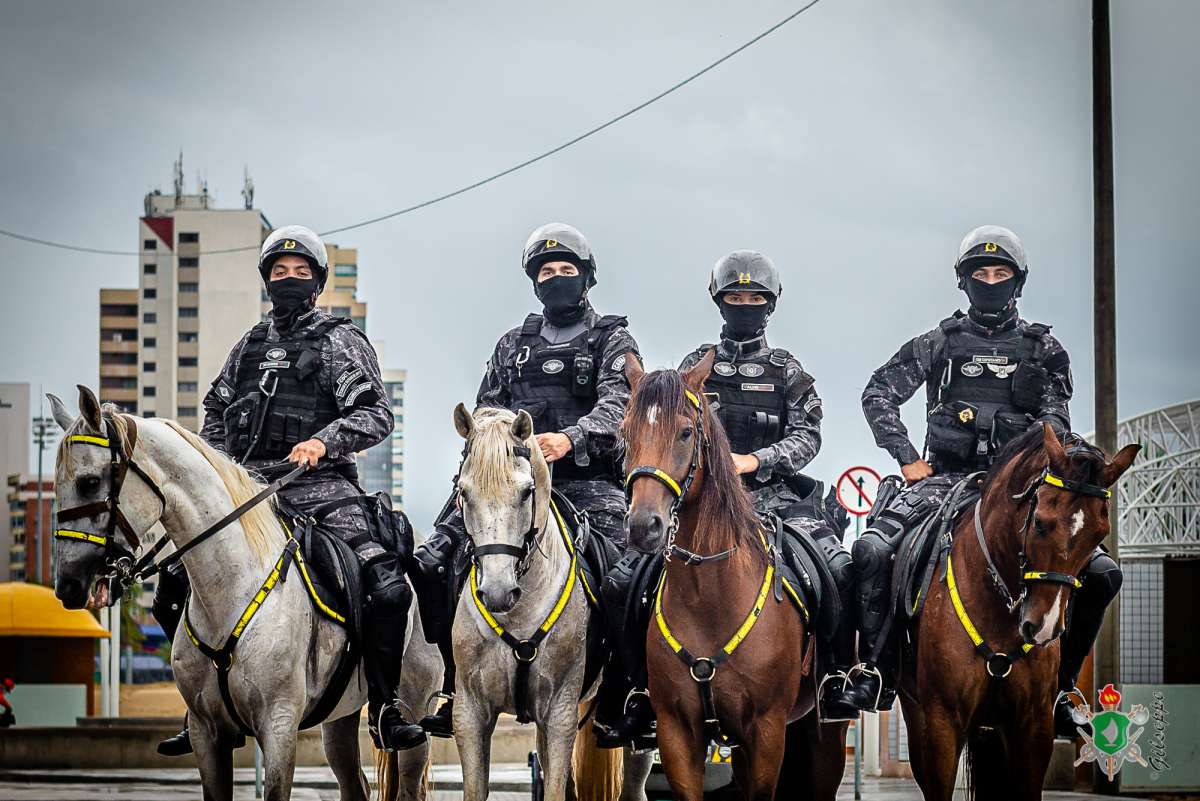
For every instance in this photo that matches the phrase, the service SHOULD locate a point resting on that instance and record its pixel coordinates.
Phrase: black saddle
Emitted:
(805, 568)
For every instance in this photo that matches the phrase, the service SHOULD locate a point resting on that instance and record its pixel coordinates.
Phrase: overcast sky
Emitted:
(855, 147)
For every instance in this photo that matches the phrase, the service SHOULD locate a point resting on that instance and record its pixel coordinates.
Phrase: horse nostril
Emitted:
(514, 596)
(1027, 631)
(655, 527)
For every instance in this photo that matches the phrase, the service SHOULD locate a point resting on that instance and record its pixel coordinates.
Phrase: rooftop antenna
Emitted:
(202, 183)
(179, 178)
(247, 188)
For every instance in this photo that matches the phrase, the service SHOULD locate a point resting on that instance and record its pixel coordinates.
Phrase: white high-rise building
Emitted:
(15, 436)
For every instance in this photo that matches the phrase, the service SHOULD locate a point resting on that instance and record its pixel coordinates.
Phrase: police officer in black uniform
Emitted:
(305, 387)
(989, 376)
(770, 410)
(565, 367)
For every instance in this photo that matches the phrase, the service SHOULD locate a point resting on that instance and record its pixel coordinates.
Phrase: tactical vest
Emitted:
(989, 390)
(556, 384)
(751, 401)
(278, 401)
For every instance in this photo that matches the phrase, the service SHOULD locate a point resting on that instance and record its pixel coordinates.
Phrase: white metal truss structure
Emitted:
(1158, 499)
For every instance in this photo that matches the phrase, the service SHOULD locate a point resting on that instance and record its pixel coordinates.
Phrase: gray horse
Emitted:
(286, 652)
(523, 584)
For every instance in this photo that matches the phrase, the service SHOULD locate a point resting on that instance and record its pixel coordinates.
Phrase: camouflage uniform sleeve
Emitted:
(893, 384)
(220, 395)
(692, 359)
(802, 434)
(598, 431)
(1059, 388)
(350, 370)
(493, 389)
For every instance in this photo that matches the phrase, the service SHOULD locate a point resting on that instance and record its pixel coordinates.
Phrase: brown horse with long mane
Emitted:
(986, 660)
(725, 658)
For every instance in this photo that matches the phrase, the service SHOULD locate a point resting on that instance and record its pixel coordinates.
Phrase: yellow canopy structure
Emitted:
(30, 610)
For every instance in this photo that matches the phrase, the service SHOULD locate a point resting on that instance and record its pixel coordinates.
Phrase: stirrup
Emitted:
(839, 674)
(863, 669)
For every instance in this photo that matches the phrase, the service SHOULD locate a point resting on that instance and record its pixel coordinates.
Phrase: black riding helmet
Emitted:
(991, 244)
(295, 240)
(745, 271)
(558, 242)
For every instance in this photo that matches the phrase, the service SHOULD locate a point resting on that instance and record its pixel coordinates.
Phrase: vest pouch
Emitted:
(387, 526)
(1029, 384)
(951, 431)
(764, 430)
(581, 381)
(238, 418)
(1007, 426)
(307, 363)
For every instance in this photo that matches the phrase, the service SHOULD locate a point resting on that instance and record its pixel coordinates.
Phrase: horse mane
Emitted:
(1027, 454)
(726, 515)
(259, 524)
(489, 458)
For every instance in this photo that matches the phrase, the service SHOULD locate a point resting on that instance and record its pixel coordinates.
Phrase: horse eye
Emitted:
(88, 484)
(1039, 527)
(462, 496)
(685, 434)
(525, 493)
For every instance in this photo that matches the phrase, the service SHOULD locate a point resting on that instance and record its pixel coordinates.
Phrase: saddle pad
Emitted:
(803, 565)
(922, 553)
(334, 570)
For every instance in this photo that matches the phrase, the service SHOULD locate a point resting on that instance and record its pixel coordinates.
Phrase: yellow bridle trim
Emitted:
(90, 440)
(1037, 575)
(961, 610)
(1055, 481)
(663, 477)
(81, 535)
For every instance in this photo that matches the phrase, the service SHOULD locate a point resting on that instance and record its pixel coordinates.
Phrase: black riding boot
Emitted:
(169, 600)
(624, 715)
(441, 723)
(831, 698)
(388, 599)
(437, 591)
(1101, 582)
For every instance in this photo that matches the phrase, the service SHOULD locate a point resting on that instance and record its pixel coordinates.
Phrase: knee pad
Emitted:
(387, 592)
(839, 561)
(872, 552)
(1102, 578)
(169, 598)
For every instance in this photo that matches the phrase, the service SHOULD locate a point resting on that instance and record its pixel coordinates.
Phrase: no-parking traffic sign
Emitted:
(857, 489)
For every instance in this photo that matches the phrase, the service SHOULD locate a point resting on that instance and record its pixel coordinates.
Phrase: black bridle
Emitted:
(520, 552)
(680, 489)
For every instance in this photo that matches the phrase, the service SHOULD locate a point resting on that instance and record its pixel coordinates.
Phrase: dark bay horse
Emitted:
(986, 661)
(725, 658)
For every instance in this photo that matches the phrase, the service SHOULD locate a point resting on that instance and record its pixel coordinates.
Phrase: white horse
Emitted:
(154, 471)
(524, 602)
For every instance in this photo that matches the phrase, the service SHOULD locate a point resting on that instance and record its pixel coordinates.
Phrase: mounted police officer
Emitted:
(305, 387)
(989, 376)
(770, 410)
(565, 367)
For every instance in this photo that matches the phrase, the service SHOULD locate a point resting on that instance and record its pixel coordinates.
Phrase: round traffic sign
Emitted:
(857, 489)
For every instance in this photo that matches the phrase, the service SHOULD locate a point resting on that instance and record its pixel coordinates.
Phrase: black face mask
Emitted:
(745, 320)
(290, 297)
(993, 300)
(562, 297)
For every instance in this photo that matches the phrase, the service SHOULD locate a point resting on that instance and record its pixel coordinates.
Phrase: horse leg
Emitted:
(814, 760)
(940, 739)
(277, 738)
(634, 772)
(763, 743)
(555, 739)
(214, 758)
(473, 726)
(1029, 751)
(340, 740)
(682, 748)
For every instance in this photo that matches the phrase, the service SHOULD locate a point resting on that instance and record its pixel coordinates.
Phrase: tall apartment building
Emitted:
(15, 436)
(381, 469)
(198, 291)
(32, 528)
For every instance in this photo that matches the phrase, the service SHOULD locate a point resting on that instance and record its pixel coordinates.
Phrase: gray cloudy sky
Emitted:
(855, 146)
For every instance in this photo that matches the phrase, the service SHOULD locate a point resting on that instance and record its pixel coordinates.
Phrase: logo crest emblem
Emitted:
(551, 243)
(751, 370)
(966, 415)
(275, 354)
(553, 366)
(989, 247)
(743, 278)
(1114, 733)
(289, 244)
(724, 368)
(971, 369)
(1002, 370)
(619, 362)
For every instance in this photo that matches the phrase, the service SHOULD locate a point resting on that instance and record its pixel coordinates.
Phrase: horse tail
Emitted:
(986, 764)
(597, 771)
(387, 775)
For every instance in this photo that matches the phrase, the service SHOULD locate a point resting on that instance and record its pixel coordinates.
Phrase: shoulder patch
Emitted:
(618, 363)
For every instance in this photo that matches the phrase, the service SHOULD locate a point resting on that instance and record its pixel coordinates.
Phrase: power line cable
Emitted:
(477, 184)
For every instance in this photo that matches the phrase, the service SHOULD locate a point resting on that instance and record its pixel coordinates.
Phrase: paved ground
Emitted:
(316, 784)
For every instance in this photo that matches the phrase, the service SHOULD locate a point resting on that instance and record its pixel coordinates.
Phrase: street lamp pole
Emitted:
(43, 433)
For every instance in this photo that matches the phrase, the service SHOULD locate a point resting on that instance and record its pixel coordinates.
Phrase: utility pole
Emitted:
(1107, 664)
(43, 435)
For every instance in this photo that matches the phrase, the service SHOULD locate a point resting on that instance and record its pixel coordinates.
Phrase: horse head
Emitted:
(504, 494)
(100, 514)
(1061, 515)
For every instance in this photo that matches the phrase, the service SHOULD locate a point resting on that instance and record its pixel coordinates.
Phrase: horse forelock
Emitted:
(1025, 456)
(489, 460)
(122, 422)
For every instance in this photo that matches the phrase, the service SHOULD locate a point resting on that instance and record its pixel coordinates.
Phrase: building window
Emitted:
(149, 317)
(189, 336)
(149, 392)
(345, 269)
(149, 293)
(188, 361)
(150, 269)
(149, 342)
(150, 244)
(340, 311)
(189, 261)
(187, 386)
(187, 411)
(147, 414)
(189, 311)
(189, 286)
(189, 236)
(149, 367)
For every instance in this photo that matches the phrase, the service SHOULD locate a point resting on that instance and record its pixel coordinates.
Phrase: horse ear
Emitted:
(1117, 467)
(464, 423)
(59, 411)
(633, 369)
(1054, 449)
(694, 378)
(89, 408)
(522, 426)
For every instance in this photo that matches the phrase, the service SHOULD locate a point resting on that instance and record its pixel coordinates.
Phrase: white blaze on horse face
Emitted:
(652, 415)
(1076, 523)
(1046, 633)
